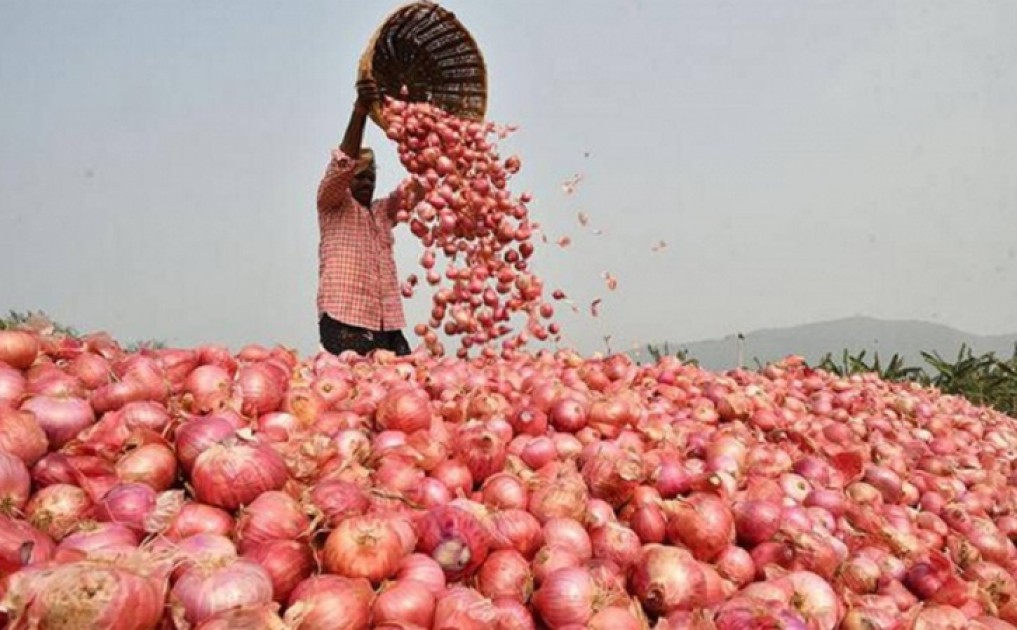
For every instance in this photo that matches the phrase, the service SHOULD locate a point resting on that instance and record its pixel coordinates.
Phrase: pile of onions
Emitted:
(512, 489)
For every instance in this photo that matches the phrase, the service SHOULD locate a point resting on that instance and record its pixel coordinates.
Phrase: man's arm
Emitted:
(335, 185)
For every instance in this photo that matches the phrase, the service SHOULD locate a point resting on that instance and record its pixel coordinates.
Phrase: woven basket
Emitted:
(425, 48)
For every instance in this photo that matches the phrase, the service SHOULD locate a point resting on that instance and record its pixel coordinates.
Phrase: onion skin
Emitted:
(21, 435)
(405, 602)
(364, 547)
(21, 545)
(100, 595)
(273, 515)
(231, 475)
(330, 602)
(287, 562)
(15, 482)
(455, 538)
(18, 348)
(204, 591)
(61, 418)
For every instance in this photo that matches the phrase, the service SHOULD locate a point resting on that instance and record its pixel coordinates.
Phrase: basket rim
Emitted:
(365, 66)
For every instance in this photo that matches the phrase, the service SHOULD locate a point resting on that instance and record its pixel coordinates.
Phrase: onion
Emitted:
(405, 409)
(57, 510)
(365, 546)
(504, 491)
(568, 534)
(330, 602)
(464, 609)
(60, 418)
(287, 562)
(483, 452)
(21, 545)
(195, 437)
(128, 503)
(198, 518)
(566, 597)
(87, 595)
(550, 559)
(205, 590)
(421, 568)
(703, 523)
(260, 389)
(232, 473)
(208, 388)
(511, 615)
(455, 539)
(200, 550)
(455, 475)
(666, 579)
(649, 523)
(617, 543)
(151, 464)
(756, 521)
(260, 617)
(505, 575)
(90, 537)
(273, 515)
(145, 415)
(12, 387)
(405, 602)
(518, 530)
(338, 500)
(18, 348)
(15, 482)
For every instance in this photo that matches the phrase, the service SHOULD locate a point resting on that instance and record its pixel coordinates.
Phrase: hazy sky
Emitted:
(802, 160)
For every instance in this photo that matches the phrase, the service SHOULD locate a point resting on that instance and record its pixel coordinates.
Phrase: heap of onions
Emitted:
(512, 489)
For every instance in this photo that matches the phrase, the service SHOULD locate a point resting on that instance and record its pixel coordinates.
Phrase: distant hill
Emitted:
(814, 341)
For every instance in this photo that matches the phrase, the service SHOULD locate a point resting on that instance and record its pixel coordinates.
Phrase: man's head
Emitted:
(362, 186)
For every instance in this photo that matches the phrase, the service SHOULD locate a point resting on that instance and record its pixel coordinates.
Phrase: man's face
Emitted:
(362, 187)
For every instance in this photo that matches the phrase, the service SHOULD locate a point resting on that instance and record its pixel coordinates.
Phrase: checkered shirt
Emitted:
(357, 279)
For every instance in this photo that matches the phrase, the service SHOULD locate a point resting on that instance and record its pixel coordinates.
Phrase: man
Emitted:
(359, 303)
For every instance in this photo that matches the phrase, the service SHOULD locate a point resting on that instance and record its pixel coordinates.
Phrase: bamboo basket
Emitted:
(423, 48)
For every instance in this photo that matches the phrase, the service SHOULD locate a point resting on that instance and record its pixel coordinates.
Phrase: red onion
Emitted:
(260, 389)
(511, 615)
(551, 559)
(233, 473)
(538, 452)
(18, 348)
(613, 475)
(666, 579)
(198, 518)
(649, 523)
(208, 388)
(366, 546)
(205, 590)
(405, 409)
(505, 574)
(60, 418)
(703, 523)
(483, 452)
(146, 414)
(87, 595)
(455, 475)
(200, 550)
(12, 387)
(617, 543)
(151, 464)
(194, 437)
(566, 597)
(128, 503)
(21, 545)
(273, 515)
(568, 534)
(330, 602)
(455, 539)
(57, 510)
(90, 537)
(421, 568)
(464, 609)
(337, 500)
(518, 530)
(756, 521)
(405, 602)
(15, 482)
(287, 562)
(261, 616)
(504, 491)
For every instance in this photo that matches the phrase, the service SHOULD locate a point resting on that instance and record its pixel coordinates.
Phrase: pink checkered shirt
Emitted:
(357, 280)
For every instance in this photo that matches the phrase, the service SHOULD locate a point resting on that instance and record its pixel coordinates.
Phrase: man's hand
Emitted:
(367, 94)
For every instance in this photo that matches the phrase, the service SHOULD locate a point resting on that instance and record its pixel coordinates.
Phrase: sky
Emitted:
(802, 161)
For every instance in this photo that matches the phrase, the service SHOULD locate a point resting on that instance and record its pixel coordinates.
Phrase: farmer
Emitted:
(359, 303)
